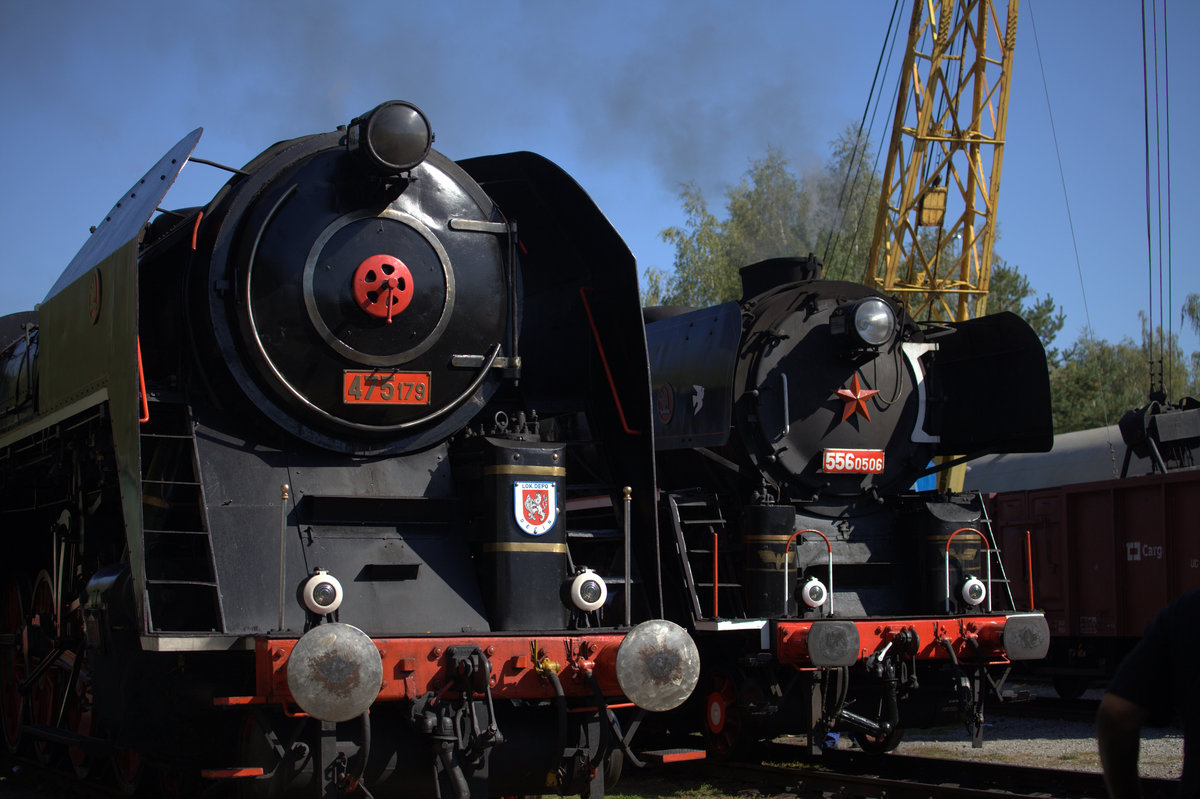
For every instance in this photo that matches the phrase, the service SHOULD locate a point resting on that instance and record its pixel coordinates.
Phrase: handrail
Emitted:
(612, 386)
(196, 230)
(627, 496)
(987, 562)
(1029, 566)
(145, 414)
(716, 545)
(786, 580)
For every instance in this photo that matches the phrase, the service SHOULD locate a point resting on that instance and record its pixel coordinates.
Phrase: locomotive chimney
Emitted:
(766, 275)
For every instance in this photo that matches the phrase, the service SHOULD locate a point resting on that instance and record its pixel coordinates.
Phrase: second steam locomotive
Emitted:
(826, 593)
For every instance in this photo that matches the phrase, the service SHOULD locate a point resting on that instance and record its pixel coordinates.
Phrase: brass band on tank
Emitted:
(524, 546)
(547, 471)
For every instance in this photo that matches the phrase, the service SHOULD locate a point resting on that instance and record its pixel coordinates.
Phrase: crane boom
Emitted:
(935, 227)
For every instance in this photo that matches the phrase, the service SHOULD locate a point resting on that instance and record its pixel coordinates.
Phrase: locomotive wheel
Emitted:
(44, 694)
(12, 667)
(127, 768)
(79, 719)
(614, 765)
(723, 734)
(176, 781)
(254, 749)
(78, 716)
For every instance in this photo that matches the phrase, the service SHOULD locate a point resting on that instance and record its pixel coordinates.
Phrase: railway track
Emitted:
(782, 768)
(1048, 708)
(855, 776)
(847, 775)
(906, 775)
(26, 778)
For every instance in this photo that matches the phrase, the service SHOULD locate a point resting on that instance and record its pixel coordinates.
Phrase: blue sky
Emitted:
(632, 98)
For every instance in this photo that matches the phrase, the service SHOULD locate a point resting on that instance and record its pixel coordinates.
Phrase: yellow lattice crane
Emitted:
(936, 222)
(935, 227)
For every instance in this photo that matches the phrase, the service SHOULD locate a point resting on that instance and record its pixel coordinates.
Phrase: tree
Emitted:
(1008, 290)
(703, 274)
(770, 213)
(847, 192)
(766, 217)
(1096, 382)
(1190, 312)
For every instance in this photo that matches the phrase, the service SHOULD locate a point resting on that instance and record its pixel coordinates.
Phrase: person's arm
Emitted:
(1118, 733)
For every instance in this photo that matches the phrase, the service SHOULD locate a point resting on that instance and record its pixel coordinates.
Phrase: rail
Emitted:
(627, 495)
(144, 416)
(787, 580)
(612, 385)
(987, 563)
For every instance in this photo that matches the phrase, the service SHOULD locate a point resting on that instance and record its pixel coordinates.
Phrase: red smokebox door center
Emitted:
(383, 286)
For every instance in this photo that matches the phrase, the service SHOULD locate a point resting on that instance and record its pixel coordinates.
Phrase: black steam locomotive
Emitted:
(323, 486)
(826, 593)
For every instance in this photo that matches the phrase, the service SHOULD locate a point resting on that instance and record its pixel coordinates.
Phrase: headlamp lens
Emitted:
(590, 591)
(874, 321)
(399, 135)
(324, 594)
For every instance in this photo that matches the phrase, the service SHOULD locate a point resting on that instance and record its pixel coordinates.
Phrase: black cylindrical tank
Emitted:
(937, 524)
(18, 367)
(765, 531)
(522, 552)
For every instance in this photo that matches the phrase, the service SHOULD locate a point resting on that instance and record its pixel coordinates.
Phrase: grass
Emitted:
(681, 784)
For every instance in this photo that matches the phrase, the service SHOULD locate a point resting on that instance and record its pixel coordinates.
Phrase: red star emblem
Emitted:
(856, 398)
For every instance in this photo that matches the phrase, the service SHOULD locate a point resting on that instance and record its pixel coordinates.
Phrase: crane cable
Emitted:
(1061, 172)
(1158, 390)
(856, 163)
(1103, 386)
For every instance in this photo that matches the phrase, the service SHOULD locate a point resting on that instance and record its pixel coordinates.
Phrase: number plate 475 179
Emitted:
(384, 388)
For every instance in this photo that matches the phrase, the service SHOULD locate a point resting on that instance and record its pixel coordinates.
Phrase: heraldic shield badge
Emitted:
(536, 506)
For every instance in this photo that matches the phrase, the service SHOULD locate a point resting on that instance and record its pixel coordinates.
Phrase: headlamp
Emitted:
(974, 591)
(322, 593)
(588, 591)
(869, 322)
(814, 593)
(393, 137)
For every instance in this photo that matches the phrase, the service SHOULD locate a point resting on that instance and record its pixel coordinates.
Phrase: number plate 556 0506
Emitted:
(383, 388)
(853, 461)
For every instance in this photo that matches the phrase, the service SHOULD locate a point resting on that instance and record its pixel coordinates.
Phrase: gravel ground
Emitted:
(1045, 743)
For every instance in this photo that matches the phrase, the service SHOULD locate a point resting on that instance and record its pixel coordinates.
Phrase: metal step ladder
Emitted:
(706, 555)
(181, 578)
(994, 549)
